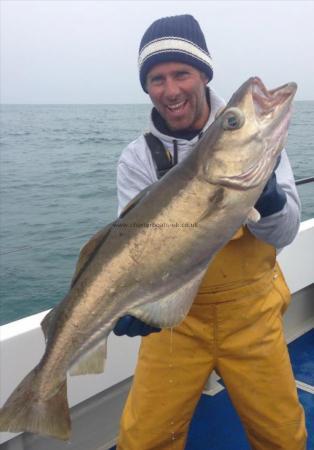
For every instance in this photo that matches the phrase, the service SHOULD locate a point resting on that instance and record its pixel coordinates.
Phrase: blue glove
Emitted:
(130, 326)
(273, 197)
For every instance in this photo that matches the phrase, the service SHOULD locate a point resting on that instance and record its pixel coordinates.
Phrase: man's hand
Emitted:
(130, 326)
(273, 197)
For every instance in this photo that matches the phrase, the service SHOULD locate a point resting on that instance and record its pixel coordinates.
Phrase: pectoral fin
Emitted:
(172, 309)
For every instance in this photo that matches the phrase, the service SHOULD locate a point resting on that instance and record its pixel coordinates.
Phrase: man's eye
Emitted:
(156, 80)
(182, 75)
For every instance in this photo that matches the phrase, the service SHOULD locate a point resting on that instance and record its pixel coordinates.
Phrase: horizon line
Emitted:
(97, 104)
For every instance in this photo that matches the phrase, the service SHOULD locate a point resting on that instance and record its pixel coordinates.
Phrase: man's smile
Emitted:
(177, 107)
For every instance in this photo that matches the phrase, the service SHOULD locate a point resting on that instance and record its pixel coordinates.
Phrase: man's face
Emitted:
(177, 91)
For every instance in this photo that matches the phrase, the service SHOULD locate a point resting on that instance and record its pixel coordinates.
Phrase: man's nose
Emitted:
(172, 88)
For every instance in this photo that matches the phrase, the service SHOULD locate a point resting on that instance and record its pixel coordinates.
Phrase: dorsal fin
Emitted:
(97, 240)
(89, 249)
(135, 201)
(86, 252)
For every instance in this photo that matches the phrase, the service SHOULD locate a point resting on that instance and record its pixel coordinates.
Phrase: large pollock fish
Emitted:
(148, 263)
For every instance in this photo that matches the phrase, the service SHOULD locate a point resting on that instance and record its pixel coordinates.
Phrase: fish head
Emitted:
(248, 135)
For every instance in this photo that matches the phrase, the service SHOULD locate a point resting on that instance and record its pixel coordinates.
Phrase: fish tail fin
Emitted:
(25, 410)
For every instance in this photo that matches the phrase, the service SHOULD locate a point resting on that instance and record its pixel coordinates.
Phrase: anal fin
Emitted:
(92, 362)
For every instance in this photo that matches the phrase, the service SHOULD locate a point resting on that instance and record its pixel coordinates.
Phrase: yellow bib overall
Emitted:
(234, 327)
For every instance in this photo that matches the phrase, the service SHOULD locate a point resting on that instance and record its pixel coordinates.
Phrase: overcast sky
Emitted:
(85, 51)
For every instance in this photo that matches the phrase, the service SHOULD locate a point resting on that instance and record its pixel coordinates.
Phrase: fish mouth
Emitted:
(273, 109)
(273, 103)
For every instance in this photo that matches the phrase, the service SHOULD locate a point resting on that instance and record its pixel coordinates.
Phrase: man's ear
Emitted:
(204, 77)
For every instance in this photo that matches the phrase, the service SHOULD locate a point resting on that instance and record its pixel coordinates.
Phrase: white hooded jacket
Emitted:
(136, 171)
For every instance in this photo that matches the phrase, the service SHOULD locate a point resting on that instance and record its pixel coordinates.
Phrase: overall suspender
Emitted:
(160, 155)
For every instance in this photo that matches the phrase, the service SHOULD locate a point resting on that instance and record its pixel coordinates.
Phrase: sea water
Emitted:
(58, 187)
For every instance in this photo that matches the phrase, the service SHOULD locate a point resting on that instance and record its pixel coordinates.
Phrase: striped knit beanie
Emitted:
(174, 39)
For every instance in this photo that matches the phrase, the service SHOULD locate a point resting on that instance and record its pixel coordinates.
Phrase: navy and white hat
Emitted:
(177, 38)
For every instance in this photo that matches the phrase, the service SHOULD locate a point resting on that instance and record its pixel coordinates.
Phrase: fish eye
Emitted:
(232, 119)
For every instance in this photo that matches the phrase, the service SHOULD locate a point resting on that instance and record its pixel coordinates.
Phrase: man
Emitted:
(235, 323)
